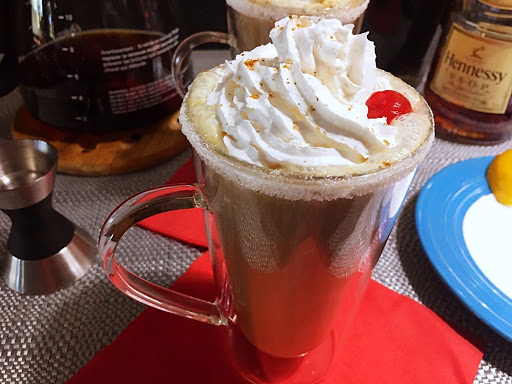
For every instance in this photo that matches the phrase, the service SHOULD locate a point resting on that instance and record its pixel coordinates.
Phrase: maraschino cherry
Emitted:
(389, 104)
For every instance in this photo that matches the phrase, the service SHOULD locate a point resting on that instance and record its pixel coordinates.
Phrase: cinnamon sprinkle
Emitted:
(250, 64)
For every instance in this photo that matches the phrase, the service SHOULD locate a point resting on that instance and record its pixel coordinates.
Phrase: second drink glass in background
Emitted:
(250, 21)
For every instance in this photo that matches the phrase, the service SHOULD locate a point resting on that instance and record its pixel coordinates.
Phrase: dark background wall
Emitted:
(204, 15)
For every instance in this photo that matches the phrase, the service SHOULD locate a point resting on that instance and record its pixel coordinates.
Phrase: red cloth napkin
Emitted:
(394, 340)
(185, 225)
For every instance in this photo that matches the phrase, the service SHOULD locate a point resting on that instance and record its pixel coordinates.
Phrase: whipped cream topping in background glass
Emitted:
(345, 10)
(300, 101)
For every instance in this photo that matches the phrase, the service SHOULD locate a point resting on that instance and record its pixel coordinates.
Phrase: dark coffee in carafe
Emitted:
(103, 79)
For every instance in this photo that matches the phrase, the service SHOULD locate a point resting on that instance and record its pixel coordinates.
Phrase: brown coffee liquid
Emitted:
(104, 79)
(295, 266)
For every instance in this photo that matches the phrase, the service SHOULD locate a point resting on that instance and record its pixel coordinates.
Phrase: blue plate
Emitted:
(442, 205)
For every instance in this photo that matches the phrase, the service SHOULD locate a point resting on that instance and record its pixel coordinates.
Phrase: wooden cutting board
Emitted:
(110, 153)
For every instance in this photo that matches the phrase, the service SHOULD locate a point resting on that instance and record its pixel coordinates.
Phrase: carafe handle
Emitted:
(187, 46)
(129, 213)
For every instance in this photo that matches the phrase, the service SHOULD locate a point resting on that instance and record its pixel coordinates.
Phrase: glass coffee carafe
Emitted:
(93, 65)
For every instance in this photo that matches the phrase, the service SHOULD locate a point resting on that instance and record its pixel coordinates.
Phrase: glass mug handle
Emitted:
(187, 46)
(129, 213)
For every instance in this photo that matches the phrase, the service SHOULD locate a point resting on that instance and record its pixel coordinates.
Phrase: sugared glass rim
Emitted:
(293, 186)
(346, 13)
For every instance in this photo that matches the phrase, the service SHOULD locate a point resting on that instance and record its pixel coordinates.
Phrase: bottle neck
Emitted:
(502, 5)
(488, 17)
(492, 8)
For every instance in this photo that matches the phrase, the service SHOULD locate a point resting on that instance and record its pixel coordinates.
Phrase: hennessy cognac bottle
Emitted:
(470, 83)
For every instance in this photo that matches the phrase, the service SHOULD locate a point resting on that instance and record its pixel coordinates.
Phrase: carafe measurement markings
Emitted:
(65, 17)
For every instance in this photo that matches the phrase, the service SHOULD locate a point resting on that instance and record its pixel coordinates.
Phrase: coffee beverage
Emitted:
(302, 185)
(101, 79)
(304, 152)
(293, 264)
(250, 21)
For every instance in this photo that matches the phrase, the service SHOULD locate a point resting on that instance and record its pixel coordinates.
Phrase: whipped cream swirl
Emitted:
(300, 100)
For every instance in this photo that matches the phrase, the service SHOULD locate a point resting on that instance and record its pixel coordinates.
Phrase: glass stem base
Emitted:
(259, 367)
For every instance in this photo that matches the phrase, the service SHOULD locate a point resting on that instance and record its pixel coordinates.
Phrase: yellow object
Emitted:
(499, 177)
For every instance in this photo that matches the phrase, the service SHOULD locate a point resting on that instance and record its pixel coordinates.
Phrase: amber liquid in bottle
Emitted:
(470, 84)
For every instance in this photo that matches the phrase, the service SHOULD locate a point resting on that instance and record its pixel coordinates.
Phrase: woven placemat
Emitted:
(46, 339)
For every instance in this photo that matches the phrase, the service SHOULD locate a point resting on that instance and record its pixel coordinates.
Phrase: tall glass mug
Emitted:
(250, 22)
(291, 256)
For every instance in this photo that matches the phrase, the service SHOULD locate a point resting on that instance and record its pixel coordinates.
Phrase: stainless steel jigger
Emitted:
(46, 251)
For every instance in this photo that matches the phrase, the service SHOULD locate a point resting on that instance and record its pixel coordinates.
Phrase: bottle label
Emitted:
(474, 71)
(502, 4)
